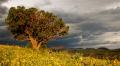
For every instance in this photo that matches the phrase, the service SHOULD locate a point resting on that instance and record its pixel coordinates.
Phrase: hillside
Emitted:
(17, 56)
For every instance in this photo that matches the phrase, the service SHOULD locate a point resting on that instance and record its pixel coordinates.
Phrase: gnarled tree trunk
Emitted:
(34, 42)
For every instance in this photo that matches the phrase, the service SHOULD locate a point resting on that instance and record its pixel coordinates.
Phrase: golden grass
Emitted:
(17, 56)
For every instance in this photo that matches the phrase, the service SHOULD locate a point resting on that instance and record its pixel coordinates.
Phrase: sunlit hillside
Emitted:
(17, 56)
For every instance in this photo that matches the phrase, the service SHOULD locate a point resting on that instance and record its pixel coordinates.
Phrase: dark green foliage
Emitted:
(40, 25)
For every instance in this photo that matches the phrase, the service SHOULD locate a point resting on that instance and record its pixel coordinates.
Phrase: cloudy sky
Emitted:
(93, 23)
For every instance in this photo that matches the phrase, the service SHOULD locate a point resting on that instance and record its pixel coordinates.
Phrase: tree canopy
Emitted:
(36, 26)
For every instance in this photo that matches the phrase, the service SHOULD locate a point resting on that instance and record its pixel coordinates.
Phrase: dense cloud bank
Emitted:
(100, 29)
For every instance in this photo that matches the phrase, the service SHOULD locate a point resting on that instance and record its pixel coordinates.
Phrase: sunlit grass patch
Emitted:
(17, 56)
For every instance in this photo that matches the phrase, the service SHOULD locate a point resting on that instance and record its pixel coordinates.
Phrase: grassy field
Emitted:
(17, 56)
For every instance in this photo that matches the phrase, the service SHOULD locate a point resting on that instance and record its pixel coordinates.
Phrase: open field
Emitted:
(17, 56)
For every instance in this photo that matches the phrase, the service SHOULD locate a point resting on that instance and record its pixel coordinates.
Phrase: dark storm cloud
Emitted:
(2, 8)
(4, 33)
(104, 21)
(1, 1)
(99, 29)
(103, 26)
(70, 18)
(92, 27)
(2, 11)
(2, 23)
(108, 19)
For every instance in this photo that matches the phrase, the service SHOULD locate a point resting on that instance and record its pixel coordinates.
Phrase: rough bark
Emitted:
(34, 42)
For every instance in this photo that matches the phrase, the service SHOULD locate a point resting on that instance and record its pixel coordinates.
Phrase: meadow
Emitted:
(18, 56)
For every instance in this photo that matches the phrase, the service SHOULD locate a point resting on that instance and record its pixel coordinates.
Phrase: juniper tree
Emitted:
(35, 26)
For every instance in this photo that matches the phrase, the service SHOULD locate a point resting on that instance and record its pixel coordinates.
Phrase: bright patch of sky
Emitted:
(73, 6)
